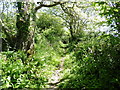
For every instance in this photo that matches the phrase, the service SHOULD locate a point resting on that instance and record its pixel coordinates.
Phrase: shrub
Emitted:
(96, 64)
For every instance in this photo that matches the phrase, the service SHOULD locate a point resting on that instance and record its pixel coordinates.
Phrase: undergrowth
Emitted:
(94, 63)
(19, 71)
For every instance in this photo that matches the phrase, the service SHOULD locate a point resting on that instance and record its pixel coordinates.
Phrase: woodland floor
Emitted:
(57, 75)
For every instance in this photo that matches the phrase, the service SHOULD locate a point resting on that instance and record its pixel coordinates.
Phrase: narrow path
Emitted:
(57, 75)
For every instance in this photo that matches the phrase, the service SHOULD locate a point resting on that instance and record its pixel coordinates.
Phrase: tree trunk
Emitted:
(24, 37)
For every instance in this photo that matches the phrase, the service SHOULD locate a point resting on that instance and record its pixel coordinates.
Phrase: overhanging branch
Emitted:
(51, 5)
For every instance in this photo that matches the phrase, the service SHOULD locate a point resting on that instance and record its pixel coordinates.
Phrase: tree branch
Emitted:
(51, 5)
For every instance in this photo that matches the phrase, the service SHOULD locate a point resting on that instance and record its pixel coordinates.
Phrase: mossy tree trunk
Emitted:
(24, 36)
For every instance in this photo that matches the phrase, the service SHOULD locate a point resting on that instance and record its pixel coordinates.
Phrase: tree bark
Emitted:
(22, 23)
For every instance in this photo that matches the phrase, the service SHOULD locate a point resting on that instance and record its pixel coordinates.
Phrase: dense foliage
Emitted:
(96, 64)
(78, 40)
(18, 71)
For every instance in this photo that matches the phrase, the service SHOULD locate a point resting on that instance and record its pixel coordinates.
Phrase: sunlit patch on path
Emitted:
(57, 75)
